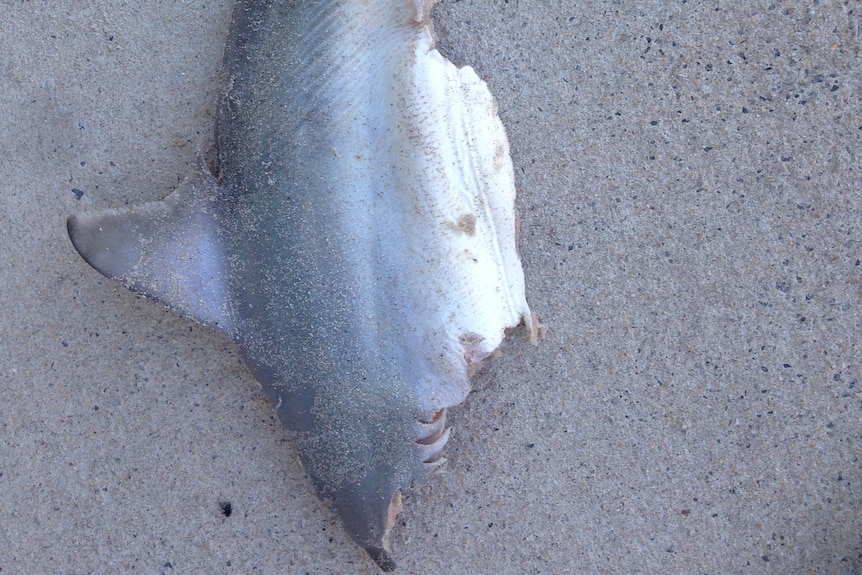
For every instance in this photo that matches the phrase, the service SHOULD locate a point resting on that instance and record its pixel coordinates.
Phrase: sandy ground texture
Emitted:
(689, 177)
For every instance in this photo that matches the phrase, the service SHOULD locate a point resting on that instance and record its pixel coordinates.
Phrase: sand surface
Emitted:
(690, 180)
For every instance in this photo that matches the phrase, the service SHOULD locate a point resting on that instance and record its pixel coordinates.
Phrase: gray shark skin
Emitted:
(359, 244)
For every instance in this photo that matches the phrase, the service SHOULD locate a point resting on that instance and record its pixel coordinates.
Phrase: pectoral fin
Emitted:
(170, 251)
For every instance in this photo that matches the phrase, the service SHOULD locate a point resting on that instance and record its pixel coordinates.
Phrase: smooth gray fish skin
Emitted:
(359, 244)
